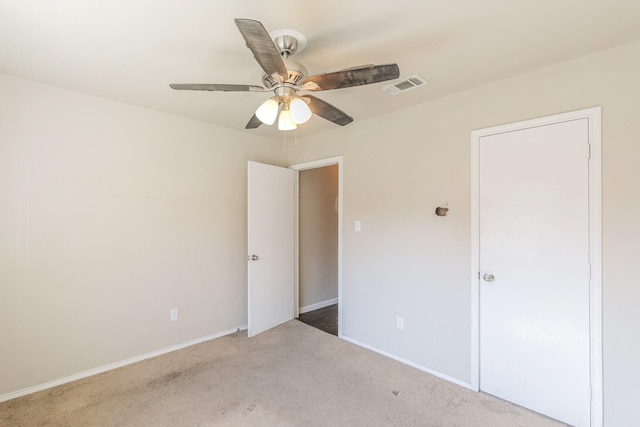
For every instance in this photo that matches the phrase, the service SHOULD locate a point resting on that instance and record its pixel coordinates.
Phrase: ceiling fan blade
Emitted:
(253, 122)
(263, 48)
(328, 111)
(357, 76)
(217, 87)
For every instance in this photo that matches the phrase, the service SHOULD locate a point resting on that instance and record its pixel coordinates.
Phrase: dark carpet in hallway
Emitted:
(325, 319)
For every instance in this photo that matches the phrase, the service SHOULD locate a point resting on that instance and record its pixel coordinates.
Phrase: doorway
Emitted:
(318, 244)
(536, 265)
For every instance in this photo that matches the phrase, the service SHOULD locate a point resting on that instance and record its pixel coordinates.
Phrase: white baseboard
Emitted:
(318, 306)
(410, 363)
(115, 365)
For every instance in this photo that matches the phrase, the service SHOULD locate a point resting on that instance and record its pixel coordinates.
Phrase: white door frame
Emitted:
(313, 165)
(593, 115)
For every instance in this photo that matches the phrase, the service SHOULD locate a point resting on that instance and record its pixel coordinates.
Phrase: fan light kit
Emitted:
(285, 78)
(292, 108)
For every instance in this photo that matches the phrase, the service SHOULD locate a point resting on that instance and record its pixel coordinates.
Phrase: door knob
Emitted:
(488, 277)
(254, 257)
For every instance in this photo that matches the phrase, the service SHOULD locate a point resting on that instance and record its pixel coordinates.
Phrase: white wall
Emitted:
(318, 235)
(110, 216)
(408, 262)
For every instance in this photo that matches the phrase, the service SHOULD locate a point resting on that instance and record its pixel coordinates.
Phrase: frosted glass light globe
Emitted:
(300, 111)
(285, 122)
(268, 111)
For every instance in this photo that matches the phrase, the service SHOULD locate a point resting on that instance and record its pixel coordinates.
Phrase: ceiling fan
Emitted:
(285, 78)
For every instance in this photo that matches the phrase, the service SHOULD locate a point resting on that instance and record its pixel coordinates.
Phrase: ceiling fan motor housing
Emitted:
(296, 74)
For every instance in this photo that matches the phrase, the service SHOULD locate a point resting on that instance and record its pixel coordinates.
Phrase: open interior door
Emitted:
(270, 222)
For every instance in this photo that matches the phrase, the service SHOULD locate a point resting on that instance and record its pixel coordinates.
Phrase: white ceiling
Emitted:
(130, 50)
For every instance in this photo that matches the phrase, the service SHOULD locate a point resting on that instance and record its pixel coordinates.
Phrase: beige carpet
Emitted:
(293, 375)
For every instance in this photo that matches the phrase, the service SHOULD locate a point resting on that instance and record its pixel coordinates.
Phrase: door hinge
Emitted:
(589, 271)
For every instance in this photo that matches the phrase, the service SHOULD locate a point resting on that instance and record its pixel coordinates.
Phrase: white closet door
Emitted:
(534, 268)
